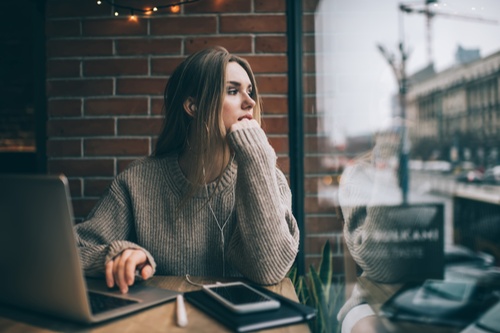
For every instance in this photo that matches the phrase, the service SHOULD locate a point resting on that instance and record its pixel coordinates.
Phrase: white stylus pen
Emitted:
(182, 319)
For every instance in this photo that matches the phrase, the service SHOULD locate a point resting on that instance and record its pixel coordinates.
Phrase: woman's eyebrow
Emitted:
(238, 84)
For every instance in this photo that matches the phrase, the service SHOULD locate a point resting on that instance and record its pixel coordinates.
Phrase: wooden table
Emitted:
(157, 319)
(377, 293)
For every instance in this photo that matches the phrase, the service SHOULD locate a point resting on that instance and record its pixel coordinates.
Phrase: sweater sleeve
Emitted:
(266, 238)
(108, 231)
(375, 223)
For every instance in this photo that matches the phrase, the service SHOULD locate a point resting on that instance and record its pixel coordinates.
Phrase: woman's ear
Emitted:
(190, 107)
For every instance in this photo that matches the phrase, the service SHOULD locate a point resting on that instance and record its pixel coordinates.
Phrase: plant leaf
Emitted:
(322, 305)
(326, 269)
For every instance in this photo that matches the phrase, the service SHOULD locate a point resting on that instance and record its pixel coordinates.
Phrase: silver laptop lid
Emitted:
(39, 259)
(40, 265)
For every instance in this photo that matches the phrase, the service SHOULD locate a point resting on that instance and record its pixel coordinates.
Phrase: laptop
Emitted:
(40, 266)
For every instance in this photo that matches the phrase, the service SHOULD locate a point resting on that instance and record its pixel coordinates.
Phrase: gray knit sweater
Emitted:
(370, 199)
(141, 210)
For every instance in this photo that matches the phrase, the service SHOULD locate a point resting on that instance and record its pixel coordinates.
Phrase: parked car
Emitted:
(470, 176)
(439, 166)
(492, 176)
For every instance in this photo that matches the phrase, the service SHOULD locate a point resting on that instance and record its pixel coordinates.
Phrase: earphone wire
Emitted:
(221, 228)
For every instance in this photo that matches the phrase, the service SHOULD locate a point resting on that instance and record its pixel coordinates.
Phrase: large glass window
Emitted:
(401, 108)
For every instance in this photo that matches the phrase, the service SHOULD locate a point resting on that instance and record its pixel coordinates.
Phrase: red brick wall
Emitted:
(106, 75)
(322, 161)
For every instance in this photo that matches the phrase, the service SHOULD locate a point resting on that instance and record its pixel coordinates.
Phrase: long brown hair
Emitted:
(201, 78)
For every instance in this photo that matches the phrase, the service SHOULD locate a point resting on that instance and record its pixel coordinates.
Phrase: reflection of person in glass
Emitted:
(370, 199)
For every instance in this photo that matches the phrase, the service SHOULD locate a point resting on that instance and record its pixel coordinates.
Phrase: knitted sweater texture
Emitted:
(142, 210)
(369, 198)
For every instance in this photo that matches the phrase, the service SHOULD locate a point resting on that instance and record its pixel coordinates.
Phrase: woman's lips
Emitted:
(247, 116)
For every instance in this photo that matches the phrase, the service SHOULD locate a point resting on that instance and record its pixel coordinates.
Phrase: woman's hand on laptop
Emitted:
(121, 270)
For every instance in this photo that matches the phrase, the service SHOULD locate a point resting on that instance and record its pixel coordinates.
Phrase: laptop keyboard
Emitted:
(101, 303)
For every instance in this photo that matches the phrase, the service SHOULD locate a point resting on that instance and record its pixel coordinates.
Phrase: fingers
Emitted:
(121, 270)
(147, 272)
(244, 123)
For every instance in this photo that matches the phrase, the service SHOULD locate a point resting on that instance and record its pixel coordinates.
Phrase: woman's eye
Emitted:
(232, 91)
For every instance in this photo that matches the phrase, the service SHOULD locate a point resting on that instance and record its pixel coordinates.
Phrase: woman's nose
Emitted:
(248, 102)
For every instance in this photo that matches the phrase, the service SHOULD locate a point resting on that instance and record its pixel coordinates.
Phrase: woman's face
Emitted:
(238, 103)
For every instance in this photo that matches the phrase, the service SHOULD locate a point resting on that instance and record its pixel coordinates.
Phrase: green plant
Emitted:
(317, 290)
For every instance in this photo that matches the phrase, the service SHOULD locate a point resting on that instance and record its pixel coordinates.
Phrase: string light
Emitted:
(173, 7)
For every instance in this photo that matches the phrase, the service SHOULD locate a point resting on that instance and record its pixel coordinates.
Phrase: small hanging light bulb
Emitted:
(155, 9)
(132, 17)
(116, 14)
(175, 9)
(99, 2)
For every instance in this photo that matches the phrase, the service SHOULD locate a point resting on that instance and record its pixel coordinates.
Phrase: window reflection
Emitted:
(382, 79)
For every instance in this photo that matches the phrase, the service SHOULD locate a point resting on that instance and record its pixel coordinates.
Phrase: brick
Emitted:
(122, 164)
(314, 244)
(337, 263)
(309, 63)
(311, 184)
(79, 87)
(254, 23)
(309, 104)
(165, 66)
(65, 8)
(270, 44)
(79, 48)
(268, 63)
(64, 108)
(237, 44)
(188, 25)
(279, 143)
(308, 23)
(144, 46)
(75, 187)
(233, 6)
(309, 84)
(275, 105)
(315, 205)
(310, 6)
(96, 187)
(64, 148)
(270, 6)
(116, 147)
(116, 26)
(80, 127)
(312, 125)
(116, 106)
(62, 28)
(115, 67)
(63, 68)
(82, 167)
(140, 86)
(275, 125)
(284, 163)
(276, 84)
(308, 43)
(313, 164)
(139, 126)
(83, 206)
(315, 144)
(323, 224)
(157, 106)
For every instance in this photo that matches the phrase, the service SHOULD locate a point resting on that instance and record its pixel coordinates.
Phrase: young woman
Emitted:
(210, 200)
